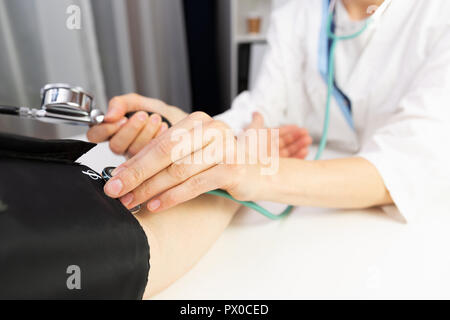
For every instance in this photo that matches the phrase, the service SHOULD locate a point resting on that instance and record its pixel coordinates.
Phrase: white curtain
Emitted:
(122, 46)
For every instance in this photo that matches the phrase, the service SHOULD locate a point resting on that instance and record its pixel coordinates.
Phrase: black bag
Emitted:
(60, 236)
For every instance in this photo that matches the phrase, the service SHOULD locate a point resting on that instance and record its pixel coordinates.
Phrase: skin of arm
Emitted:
(156, 175)
(341, 183)
(348, 183)
(179, 237)
(352, 183)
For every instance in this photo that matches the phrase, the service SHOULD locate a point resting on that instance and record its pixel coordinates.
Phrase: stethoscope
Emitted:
(330, 88)
(69, 105)
(64, 104)
(335, 39)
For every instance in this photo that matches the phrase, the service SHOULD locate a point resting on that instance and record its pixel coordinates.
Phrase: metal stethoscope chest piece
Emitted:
(62, 103)
(72, 105)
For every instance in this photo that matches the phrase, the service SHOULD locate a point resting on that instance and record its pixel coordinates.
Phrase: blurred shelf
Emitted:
(250, 38)
(232, 15)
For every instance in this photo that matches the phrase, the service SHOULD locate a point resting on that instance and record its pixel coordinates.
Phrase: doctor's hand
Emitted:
(294, 141)
(129, 136)
(197, 155)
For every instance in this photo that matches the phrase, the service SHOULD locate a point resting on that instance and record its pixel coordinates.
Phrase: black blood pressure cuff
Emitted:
(60, 236)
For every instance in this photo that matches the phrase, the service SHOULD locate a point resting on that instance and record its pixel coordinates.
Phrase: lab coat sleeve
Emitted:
(412, 149)
(269, 96)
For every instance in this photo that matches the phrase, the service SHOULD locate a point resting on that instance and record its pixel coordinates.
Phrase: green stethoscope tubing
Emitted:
(323, 141)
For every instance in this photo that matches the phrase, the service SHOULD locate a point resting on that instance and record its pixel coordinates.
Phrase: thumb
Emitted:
(257, 122)
(120, 106)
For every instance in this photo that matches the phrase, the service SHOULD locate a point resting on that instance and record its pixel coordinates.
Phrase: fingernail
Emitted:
(164, 127)
(127, 200)
(154, 205)
(156, 119)
(117, 171)
(123, 121)
(114, 187)
(142, 116)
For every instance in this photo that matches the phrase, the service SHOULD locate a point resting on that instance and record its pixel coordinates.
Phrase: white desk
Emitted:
(316, 253)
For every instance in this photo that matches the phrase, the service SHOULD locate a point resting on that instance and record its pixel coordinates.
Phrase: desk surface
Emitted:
(317, 254)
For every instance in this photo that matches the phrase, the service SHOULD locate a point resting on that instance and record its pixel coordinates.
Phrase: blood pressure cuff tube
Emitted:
(60, 236)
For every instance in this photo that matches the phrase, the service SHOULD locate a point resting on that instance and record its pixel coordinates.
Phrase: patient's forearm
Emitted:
(339, 183)
(181, 236)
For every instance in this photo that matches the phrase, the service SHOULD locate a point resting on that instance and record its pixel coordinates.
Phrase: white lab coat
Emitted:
(400, 92)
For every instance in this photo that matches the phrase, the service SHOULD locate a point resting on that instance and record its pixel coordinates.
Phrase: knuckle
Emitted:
(178, 172)
(199, 115)
(145, 192)
(135, 174)
(197, 183)
(164, 147)
(219, 125)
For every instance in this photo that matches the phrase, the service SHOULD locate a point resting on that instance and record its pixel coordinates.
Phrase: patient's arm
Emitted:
(179, 237)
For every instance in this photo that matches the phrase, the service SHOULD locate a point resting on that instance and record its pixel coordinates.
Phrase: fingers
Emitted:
(146, 135)
(154, 129)
(195, 186)
(120, 106)
(171, 138)
(163, 129)
(257, 122)
(120, 143)
(172, 176)
(157, 156)
(175, 174)
(103, 132)
(291, 134)
(294, 142)
(297, 149)
(301, 154)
